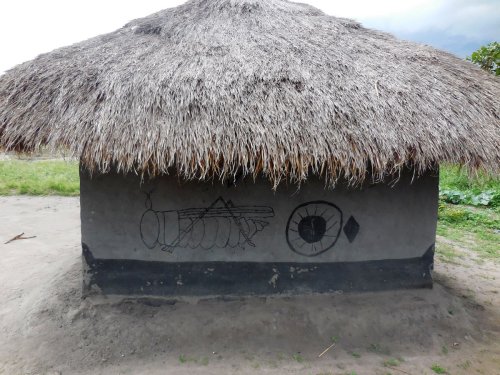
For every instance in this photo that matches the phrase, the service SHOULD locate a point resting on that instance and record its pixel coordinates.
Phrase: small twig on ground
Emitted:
(397, 369)
(19, 237)
(327, 349)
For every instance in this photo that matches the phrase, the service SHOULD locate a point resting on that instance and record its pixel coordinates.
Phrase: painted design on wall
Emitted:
(313, 228)
(220, 225)
(351, 229)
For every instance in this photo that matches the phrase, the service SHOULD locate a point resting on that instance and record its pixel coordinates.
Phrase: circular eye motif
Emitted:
(313, 228)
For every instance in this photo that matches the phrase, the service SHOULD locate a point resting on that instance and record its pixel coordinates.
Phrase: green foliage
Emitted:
(438, 369)
(452, 196)
(456, 177)
(487, 57)
(55, 177)
(457, 187)
(453, 215)
(485, 198)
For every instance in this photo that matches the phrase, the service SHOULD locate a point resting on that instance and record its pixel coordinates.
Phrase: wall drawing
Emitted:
(313, 228)
(220, 225)
(351, 229)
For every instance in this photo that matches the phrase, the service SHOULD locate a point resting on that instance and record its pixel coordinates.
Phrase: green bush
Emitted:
(453, 215)
(487, 57)
(457, 187)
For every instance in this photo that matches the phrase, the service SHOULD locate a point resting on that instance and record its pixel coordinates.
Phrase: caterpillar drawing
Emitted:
(220, 225)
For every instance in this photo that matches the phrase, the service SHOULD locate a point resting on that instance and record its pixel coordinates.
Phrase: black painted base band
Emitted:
(132, 277)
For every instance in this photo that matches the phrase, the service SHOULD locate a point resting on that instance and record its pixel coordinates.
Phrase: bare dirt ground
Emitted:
(46, 328)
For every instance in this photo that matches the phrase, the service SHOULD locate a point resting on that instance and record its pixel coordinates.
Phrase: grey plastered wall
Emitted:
(200, 221)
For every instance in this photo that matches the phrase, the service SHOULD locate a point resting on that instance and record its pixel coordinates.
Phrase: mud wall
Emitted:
(167, 226)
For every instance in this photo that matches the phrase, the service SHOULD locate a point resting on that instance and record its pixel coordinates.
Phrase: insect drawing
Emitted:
(220, 225)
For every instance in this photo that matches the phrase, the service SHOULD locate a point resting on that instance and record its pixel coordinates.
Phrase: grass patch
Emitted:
(470, 227)
(438, 369)
(50, 177)
(452, 177)
(448, 253)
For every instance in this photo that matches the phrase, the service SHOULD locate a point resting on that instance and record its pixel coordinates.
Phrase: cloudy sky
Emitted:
(31, 27)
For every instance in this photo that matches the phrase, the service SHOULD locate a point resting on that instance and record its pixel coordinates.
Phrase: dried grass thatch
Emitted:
(216, 87)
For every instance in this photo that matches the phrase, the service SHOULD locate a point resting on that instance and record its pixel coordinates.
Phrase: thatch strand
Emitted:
(218, 88)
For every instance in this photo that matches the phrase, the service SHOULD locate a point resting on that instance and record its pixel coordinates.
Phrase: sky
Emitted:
(31, 27)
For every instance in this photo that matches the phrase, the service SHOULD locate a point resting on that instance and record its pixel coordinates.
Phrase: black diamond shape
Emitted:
(351, 229)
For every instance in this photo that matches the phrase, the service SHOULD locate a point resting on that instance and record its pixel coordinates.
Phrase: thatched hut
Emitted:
(254, 146)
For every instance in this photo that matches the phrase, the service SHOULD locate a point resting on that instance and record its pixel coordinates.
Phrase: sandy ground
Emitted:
(46, 328)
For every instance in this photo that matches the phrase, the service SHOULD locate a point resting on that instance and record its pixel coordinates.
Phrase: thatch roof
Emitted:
(214, 87)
